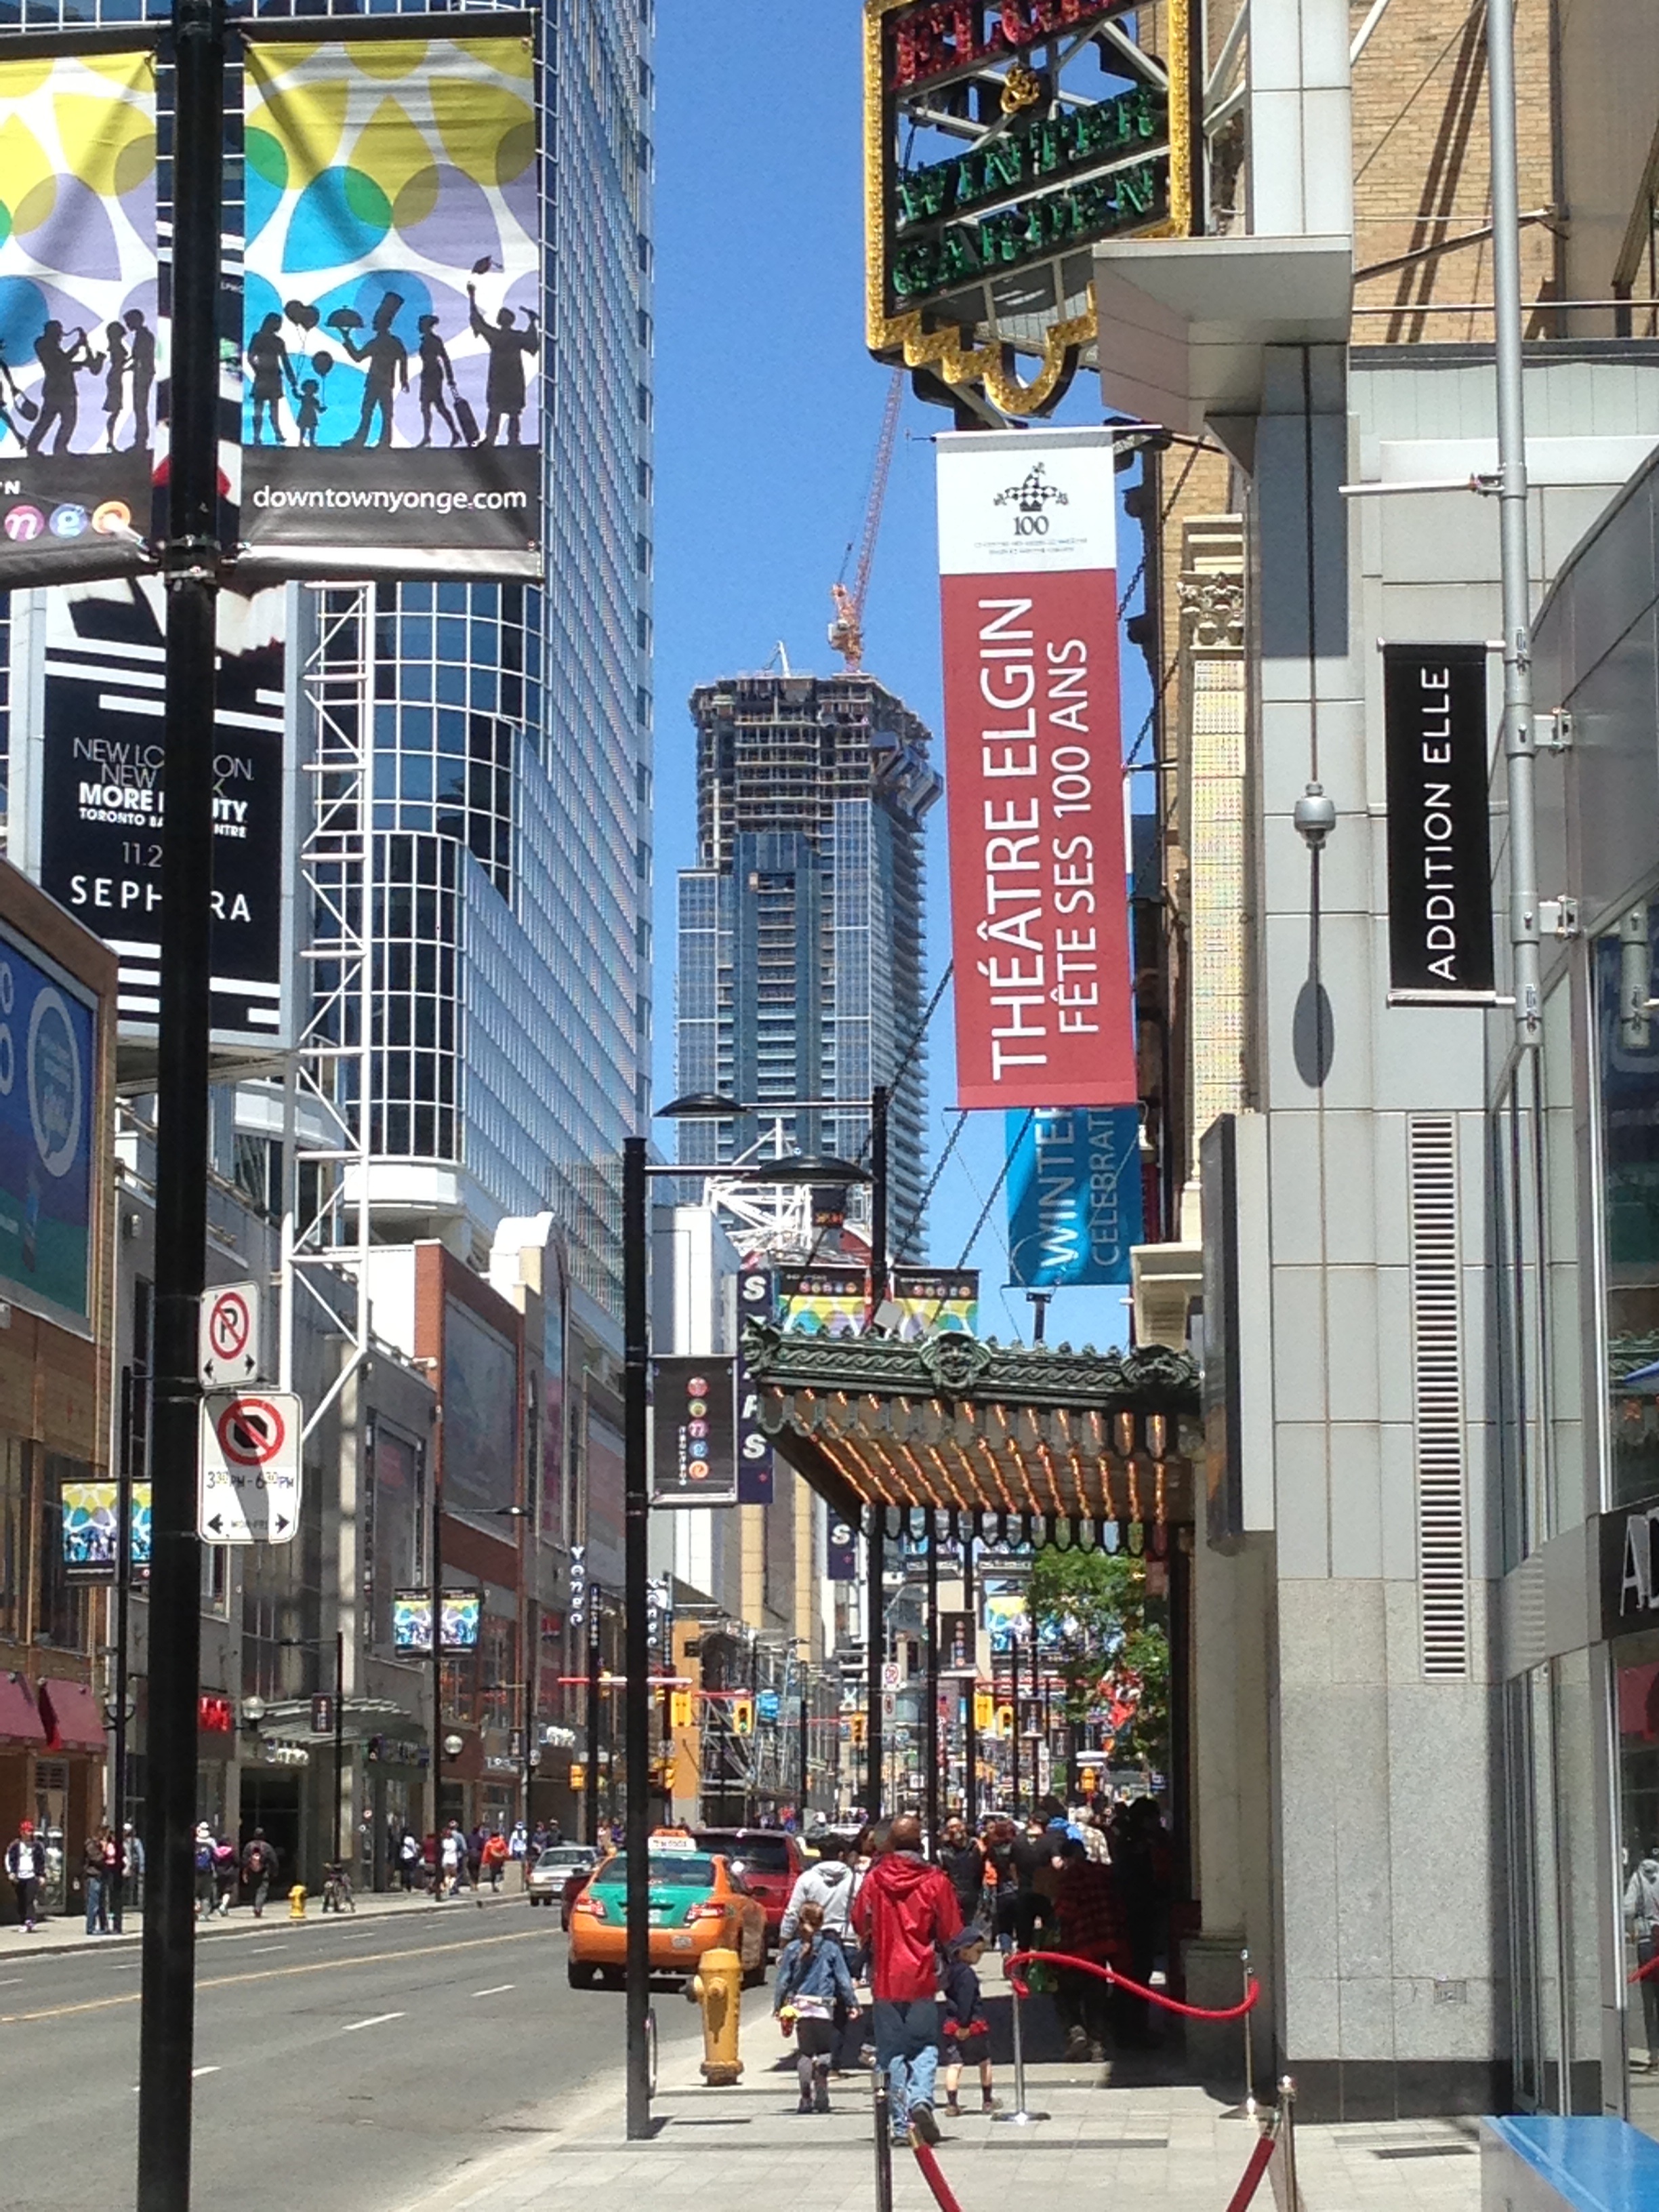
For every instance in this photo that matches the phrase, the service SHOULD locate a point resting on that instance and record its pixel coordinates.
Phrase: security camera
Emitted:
(1315, 817)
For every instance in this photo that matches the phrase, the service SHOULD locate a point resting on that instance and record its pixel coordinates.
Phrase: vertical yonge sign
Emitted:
(1002, 138)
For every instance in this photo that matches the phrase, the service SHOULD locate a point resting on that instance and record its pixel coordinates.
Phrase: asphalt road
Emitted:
(345, 2066)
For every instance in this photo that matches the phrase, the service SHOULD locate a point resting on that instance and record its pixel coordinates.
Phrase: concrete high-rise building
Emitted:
(801, 961)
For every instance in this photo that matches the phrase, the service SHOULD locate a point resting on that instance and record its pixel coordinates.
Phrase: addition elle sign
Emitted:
(1628, 1541)
(1435, 723)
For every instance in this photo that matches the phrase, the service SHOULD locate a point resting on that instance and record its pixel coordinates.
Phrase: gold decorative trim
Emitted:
(991, 366)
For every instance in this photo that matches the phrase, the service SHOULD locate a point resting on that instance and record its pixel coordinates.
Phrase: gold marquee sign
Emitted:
(1003, 140)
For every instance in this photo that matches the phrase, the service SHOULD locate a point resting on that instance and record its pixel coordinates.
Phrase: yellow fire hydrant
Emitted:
(296, 1901)
(718, 1987)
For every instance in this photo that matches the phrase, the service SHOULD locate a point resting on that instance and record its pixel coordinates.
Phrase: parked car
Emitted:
(559, 1873)
(698, 1902)
(768, 1860)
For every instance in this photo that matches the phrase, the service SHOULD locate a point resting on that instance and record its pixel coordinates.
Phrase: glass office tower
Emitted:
(801, 959)
(507, 730)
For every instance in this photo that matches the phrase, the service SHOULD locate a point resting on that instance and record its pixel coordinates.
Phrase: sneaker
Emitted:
(952, 2110)
(1077, 2043)
(988, 2103)
(805, 2104)
(923, 2124)
(821, 2101)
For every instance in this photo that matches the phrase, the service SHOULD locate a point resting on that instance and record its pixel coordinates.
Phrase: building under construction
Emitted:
(801, 957)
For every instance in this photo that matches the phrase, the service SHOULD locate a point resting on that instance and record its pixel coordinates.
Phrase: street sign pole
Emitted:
(190, 557)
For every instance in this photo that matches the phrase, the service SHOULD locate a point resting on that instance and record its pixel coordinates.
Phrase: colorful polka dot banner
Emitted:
(391, 341)
(81, 347)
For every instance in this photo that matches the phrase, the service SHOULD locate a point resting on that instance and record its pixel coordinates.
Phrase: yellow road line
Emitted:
(275, 1974)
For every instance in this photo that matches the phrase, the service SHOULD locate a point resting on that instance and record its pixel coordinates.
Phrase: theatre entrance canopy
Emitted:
(1032, 1444)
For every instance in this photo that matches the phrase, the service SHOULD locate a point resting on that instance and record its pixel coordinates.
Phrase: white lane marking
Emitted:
(196, 2074)
(259, 1949)
(14, 1982)
(498, 1989)
(378, 2020)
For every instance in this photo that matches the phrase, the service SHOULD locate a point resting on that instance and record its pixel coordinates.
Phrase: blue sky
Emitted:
(768, 411)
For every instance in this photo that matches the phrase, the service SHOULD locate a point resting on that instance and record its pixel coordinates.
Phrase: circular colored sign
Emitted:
(228, 1323)
(251, 1431)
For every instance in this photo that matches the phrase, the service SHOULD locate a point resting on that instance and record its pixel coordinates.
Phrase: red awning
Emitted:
(73, 1718)
(20, 1724)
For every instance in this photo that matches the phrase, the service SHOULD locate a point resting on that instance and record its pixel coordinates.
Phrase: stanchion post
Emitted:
(1287, 2139)
(1019, 2117)
(884, 2146)
(1250, 2045)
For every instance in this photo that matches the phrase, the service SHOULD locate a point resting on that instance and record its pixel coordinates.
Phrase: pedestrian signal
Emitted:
(1089, 1782)
(679, 1708)
(985, 1707)
(578, 1775)
(1004, 1721)
(743, 1716)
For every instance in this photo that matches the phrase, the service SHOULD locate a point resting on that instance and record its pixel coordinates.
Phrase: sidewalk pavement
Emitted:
(66, 1931)
(1126, 2126)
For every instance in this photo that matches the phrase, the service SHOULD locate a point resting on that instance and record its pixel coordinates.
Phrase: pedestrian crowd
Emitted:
(879, 1910)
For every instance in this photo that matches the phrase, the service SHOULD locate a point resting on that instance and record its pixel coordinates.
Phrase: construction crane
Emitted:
(846, 631)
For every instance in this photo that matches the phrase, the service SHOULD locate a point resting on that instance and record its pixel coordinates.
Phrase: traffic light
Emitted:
(743, 1716)
(679, 1709)
(1004, 1721)
(578, 1775)
(857, 1729)
(1088, 1781)
(985, 1708)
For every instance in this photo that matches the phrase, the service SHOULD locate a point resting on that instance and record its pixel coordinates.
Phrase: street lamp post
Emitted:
(590, 1794)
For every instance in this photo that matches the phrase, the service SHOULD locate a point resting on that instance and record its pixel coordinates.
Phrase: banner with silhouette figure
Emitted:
(80, 336)
(391, 335)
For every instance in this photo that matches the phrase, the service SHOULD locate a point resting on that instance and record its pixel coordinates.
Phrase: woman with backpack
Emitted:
(204, 1861)
(259, 1869)
(811, 1979)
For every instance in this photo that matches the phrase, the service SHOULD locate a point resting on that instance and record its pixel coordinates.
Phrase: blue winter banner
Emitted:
(1074, 1208)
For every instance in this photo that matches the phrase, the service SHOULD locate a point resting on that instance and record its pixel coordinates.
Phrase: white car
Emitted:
(559, 1873)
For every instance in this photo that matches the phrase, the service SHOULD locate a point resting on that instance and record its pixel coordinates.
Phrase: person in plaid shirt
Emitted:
(1091, 1926)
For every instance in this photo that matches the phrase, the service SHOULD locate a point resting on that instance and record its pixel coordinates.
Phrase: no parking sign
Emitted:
(249, 1492)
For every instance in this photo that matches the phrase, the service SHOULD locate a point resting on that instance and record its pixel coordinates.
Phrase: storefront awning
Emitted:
(1038, 1439)
(72, 1717)
(19, 1723)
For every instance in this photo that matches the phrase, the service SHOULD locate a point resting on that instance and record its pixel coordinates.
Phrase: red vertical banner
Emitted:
(1034, 775)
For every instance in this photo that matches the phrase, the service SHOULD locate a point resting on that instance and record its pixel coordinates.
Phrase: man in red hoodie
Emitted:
(905, 1912)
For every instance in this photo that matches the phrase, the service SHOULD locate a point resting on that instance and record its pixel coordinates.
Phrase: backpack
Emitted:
(204, 1859)
(224, 1857)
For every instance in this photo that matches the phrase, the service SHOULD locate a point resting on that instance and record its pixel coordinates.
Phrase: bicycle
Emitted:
(337, 1890)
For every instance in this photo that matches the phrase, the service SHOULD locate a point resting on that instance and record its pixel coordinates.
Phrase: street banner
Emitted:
(841, 1550)
(92, 1527)
(391, 333)
(81, 345)
(411, 1620)
(1034, 780)
(48, 1078)
(1074, 1195)
(694, 1451)
(88, 791)
(1434, 736)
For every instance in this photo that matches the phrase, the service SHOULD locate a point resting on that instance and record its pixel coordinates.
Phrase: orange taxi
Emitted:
(697, 1904)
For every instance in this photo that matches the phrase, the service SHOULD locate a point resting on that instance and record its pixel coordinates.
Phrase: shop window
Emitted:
(1636, 1707)
(1628, 1070)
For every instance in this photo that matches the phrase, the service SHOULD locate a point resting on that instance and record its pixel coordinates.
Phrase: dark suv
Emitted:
(768, 1861)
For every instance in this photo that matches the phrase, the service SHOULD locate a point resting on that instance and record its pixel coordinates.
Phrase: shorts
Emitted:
(815, 2039)
(968, 2050)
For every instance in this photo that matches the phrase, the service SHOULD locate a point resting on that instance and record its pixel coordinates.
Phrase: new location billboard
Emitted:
(1074, 1198)
(87, 723)
(1034, 780)
(81, 340)
(392, 337)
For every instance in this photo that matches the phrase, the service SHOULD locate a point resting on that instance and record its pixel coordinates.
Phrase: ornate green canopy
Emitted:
(1034, 1438)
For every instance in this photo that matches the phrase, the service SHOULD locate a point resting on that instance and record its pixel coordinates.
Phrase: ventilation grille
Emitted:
(1442, 1545)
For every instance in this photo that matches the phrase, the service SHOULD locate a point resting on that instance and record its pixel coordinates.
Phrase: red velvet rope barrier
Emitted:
(1261, 2157)
(1642, 1973)
(1018, 1959)
(943, 2193)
